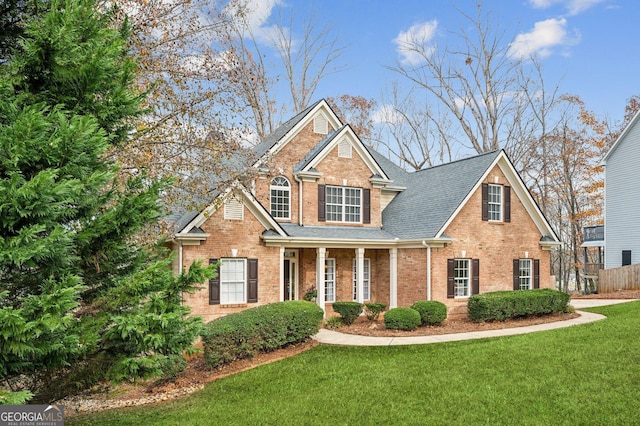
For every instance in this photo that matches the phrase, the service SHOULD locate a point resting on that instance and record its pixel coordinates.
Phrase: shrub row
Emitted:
(502, 305)
(424, 312)
(431, 312)
(261, 329)
(348, 311)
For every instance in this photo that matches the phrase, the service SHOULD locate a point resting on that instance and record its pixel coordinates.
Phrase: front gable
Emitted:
(502, 175)
(230, 205)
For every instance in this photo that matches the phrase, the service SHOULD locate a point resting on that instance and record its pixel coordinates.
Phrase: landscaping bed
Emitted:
(363, 327)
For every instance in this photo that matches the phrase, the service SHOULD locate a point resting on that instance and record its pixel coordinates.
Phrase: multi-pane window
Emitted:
(495, 202)
(280, 198)
(462, 277)
(330, 280)
(366, 289)
(525, 275)
(343, 204)
(233, 281)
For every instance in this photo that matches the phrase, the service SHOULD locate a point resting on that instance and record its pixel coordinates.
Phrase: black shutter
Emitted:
(366, 206)
(322, 217)
(516, 274)
(252, 280)
(450, 279)
(475, 276)
(485, 201)
(536, 273)
(507, 203)
(214, 285)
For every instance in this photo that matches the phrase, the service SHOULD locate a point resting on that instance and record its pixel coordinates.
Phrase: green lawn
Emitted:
(585, 375)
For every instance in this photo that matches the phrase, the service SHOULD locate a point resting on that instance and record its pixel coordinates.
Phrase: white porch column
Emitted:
(320, 260)
(281, 274)
(393, 277)
(360, 275)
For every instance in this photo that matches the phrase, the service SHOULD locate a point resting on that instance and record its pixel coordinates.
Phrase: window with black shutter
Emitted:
(252, 280)
(214, 285)
(322, 215)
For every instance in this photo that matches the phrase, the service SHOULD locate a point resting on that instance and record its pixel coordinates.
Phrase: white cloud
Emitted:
(574, 7)
(541, 40)
(386, 114)
(412, 44)
(256, 13)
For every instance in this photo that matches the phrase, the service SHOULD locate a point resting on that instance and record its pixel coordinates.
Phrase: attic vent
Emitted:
(320, 124)
(233, 209)
(344, 149)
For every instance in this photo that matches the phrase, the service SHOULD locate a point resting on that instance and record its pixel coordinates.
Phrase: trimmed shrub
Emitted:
(373, 310)
(431, 312)
(332, 323)
(502, 305)
(402, 319)
(261, 329)
(348, 311)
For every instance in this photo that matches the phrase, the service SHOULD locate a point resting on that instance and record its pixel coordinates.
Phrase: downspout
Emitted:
(180, 268)
(299, 199)
(424, 243)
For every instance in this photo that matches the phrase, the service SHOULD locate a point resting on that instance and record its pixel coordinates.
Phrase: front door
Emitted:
(290, 269)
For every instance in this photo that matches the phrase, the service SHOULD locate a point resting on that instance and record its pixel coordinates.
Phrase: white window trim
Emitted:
(528, 277)
(343, 205)
(224, 300)
(499, 204)
(330, 266)
(367, 279)
(286, 189)
(467, 279)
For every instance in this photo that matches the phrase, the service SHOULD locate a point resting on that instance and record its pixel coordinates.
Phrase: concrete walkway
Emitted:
(334, 338)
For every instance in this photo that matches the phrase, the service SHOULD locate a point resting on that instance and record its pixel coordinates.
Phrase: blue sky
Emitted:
(589, 48)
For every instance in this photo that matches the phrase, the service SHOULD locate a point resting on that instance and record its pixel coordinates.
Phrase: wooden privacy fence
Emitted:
(622, 278)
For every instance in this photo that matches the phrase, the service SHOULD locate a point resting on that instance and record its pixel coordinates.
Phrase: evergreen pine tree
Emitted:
(80, 300)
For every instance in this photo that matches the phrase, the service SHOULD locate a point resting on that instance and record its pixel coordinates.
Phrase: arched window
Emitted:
(280, 198)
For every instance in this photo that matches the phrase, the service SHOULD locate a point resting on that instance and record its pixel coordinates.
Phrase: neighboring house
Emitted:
(329, 214)
(622, 198)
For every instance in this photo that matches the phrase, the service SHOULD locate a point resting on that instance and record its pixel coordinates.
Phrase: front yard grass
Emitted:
(587, 375)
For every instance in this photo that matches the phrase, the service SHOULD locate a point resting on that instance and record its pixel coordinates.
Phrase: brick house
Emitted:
(327, 213)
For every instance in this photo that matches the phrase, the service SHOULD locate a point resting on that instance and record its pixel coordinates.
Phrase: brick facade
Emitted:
(494, 244)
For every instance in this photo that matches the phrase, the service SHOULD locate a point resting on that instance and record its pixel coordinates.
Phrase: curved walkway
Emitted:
(334, 338)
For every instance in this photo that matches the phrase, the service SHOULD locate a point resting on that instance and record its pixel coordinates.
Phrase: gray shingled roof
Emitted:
(282, 130)
(335, 232)
(397, 174)
(432, 196)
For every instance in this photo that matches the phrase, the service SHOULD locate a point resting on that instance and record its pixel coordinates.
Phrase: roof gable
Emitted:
(622, 136)
(287, 131)
(328, 144)
(435, 196)
(249, 201)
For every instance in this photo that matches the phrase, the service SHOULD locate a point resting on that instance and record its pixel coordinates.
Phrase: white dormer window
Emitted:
(344, 149)
(233, 209)
(320, 124)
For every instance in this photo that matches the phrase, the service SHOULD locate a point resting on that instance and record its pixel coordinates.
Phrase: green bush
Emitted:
(261, 329)
(348, 311)
(402, 319)
(332, 323)
(502, 305)
(431, 312)
(373, 310)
